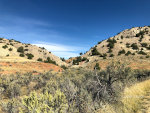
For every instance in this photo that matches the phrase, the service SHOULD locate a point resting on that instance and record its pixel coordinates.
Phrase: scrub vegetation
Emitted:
(75, 90)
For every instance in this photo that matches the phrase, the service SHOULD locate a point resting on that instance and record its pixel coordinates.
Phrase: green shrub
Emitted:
(21, 55)
(20, 49)
(50, 61)
(141, 33)
(121, 52)
(111, 43)
(144, 44)
(109, 50)
(121, 37)
(45, 103)
(29, 55)
(11, 44)
(104, 57)
(79, 59)
(134, 46)
(26, 49)
(95, 52)
(63, 59)
(128, 53)
(127, 45)
(13, 90)
(111, 55)
(99, 42)
(1, 38)
(39, 59)
(5, 46)
(148, 48)
(142, 52)
(147, 56)
(64, 67)
(10, 49)
(97, 67)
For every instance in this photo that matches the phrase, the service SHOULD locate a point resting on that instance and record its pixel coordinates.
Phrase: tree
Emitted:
(29, 55)
(10, 49)
(97, 67)
(5, 46)
(21, 55)
(63, 59)
(39, 59)
(20, 49)
(81, 53)
(95, 52)
(134, 46)
(50, 61)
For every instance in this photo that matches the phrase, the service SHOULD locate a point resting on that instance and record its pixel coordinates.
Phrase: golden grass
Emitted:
(134, 99)
(133, 96)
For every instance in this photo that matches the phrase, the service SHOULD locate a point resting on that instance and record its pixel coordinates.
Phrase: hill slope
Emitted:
(131, 45)
(133, 40)
(18, 49)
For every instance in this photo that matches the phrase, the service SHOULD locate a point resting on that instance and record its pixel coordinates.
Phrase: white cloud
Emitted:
(59, 49)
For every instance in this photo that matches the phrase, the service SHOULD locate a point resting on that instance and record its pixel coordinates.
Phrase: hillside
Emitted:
(13, 48)
(131, 45)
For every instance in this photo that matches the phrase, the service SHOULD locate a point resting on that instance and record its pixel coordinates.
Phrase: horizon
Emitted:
(66, 27)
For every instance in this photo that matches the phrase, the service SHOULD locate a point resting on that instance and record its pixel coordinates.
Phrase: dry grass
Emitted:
(13, 65)
(133, 97)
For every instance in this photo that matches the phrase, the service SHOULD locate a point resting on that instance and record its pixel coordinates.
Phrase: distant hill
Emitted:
(129, 44)
(13, 48)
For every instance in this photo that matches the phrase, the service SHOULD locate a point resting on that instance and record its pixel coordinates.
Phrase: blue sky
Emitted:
(68, 27)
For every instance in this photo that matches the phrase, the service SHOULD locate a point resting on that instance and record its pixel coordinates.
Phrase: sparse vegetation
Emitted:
(144, 44)
(97, 67)
(141, 33)
(21, 55)
(29, 55)
(63, 59)
(20, 49)
(111, 43)
(76, 90)
(134, 46)
(79, 59)
(26, 49)
(111, 55)
(10, 49)
(64, 67)
(142, 53)
(40, 59)
(95, 52)
(128, 53)
(128, 45)
(50, 61)
(121, 52)
(121, 37)
(5, 46)
(1, 38)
